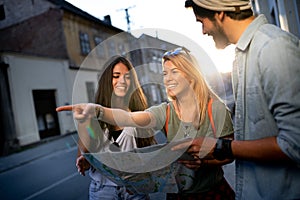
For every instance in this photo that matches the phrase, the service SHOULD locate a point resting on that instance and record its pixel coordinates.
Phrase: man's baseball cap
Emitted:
(224, 5)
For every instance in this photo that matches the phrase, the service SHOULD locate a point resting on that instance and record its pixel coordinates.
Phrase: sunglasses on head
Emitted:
(177, 51)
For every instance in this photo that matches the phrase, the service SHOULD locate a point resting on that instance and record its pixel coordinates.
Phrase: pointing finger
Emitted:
(64, 108)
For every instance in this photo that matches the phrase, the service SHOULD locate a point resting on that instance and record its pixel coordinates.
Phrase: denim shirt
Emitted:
(266, 82)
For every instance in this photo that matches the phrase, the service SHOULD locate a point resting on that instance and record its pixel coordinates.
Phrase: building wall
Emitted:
(41, 46)
(149, 67)
(41, 35)
(27, 73)
(289, 16)
(79, 87)
(283, 13)
(25, 10)
(73, 25)
(43, 53)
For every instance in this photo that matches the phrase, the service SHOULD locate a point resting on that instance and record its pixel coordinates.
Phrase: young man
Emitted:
(266, 87)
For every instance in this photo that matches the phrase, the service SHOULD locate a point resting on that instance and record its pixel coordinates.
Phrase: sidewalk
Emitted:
(37, 151)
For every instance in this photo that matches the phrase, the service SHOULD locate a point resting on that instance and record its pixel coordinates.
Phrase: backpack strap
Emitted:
(167, 119)
(209, 111)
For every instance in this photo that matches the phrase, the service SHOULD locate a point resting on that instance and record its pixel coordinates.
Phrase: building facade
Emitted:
(283, 13)
(42, 48)
(51, 54)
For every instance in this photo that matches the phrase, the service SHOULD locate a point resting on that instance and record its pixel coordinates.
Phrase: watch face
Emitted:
(218, 155)
(218, 151)
(223, 149)
(219, 144)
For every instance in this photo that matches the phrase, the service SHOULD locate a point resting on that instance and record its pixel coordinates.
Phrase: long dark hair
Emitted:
(134, 98)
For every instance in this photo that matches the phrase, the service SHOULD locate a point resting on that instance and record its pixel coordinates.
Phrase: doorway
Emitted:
(46, 116)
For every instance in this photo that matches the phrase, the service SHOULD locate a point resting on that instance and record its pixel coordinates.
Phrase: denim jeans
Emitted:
(98, 191)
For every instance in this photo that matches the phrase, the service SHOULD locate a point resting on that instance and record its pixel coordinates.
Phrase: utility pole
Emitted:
(127, 16)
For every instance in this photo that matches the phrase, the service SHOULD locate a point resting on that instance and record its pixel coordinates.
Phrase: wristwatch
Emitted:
(222, 149)
(99, 112)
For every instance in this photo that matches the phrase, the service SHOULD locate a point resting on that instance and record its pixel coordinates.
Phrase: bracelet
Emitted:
(223, 150)
(99, 112)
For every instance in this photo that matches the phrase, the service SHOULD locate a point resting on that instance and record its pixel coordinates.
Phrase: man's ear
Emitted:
(220, 16)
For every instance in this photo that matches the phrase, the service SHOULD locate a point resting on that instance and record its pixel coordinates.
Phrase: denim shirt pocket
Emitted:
(254, 104)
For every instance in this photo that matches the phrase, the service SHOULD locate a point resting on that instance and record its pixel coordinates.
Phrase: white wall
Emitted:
(27, 73)
(79, 90)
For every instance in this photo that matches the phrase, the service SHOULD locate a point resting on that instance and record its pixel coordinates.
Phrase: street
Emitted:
(48, 172)
(51, 177)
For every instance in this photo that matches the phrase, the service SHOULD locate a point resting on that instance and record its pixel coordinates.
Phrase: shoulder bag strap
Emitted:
(209, 110)
(167, 119)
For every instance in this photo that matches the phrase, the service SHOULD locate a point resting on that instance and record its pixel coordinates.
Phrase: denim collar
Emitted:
(248, 34)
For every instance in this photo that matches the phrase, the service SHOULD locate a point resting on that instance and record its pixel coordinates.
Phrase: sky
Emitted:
(156, 15)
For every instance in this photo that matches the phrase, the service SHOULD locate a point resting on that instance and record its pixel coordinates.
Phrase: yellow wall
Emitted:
(73, 25)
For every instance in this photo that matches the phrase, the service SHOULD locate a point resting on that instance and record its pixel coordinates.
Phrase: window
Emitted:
(84, 43)
(90, 89)
(122, 49)
(112, 48)
(153, 67)
(153, 92)
(2, 12)
(99, 48)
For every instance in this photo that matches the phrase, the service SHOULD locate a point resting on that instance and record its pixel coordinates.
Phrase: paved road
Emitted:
(48, 172)
(52, 176)
(45, 172)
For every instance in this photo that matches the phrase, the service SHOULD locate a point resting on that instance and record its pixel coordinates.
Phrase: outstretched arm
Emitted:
(119, 117)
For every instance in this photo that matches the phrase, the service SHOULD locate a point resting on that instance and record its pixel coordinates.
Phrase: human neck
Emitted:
(235, 28)
(186, 108)
(118, 102)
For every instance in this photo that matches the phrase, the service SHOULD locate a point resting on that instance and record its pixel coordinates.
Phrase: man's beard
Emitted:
(220, 38)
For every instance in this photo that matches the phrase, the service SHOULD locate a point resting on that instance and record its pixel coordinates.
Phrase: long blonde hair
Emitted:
(187, 64)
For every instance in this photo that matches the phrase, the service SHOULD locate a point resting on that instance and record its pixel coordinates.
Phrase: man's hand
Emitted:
(201, 147)
(192, 164)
